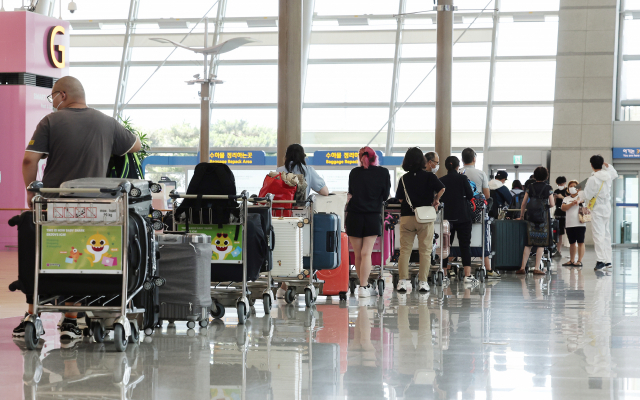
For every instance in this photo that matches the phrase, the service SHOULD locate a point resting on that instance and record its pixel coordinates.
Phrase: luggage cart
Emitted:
(302, 284)
(263, 287)
(228, 294)
(480, 269)
(437, 273)
(103, 316)
(377, 271)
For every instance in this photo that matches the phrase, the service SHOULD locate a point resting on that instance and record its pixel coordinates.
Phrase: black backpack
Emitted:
(210, 179)
(536, 210)
(127, 166)
(516, 203)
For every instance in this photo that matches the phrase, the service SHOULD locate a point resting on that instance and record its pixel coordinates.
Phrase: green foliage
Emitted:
(144, 139)
(223, 133)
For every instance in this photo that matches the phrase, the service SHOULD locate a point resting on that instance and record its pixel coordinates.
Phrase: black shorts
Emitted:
(576, 234)
(364, 225)
(561, 225)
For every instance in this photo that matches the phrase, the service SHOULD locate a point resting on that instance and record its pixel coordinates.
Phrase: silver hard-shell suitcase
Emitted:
(185, 262)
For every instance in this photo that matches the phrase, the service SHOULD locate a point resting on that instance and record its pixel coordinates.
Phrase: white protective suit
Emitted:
(601, 214)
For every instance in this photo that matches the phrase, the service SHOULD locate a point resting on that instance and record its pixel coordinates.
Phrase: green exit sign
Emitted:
(517, 160)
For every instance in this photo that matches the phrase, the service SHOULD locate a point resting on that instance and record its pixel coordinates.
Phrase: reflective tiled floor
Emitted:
(571, 335)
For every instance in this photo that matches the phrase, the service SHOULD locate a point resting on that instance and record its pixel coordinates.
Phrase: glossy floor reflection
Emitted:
(572, 335)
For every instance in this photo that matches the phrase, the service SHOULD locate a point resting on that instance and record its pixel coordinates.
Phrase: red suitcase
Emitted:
(336, 281)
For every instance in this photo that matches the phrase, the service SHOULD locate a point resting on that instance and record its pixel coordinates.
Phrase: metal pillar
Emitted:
(492, 75)
(444, 65)
(289, 76)
(307, 23)
(123, 77)
(391, 126)
(205, 108)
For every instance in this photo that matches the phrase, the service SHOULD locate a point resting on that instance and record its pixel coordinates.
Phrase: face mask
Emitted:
(561, 187)
(573, 190)
(435, 169)
(55, 109)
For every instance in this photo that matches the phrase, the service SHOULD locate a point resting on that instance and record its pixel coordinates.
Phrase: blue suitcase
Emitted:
(326, 242)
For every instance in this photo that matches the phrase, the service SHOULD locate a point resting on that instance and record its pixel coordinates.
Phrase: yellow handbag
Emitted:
(592, 202)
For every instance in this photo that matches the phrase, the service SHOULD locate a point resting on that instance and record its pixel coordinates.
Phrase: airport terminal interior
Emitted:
(525, 84)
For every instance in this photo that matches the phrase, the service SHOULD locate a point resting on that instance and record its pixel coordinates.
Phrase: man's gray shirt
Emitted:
(477, 176)
(79, 143)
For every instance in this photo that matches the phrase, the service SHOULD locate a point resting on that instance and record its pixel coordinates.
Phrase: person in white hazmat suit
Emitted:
(599, 186)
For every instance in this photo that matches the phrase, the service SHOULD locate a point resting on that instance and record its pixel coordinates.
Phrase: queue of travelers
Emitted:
(73, 127)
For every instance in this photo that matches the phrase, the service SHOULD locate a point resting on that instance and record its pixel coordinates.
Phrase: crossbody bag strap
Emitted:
(406, 195)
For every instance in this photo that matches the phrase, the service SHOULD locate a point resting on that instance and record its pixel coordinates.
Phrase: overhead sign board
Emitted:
(626, 152)
(237, 157)
(337, 157)
(517, 160)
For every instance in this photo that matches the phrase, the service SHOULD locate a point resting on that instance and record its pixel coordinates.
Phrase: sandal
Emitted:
(578, 264)
(569, 264)
(538, 272)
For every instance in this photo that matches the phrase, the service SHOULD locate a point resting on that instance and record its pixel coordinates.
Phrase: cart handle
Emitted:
(243, 195)
(268, 197)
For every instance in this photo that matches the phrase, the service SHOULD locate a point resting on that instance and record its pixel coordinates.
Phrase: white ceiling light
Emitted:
(262, 23)
(85, 25)
(353, 21)
(530, 17)
(172, 24)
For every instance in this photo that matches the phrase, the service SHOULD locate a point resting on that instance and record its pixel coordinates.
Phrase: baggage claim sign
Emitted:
(338, 157)
(237, 157)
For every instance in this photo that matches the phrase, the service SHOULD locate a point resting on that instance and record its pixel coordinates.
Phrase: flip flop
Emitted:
(569, 264)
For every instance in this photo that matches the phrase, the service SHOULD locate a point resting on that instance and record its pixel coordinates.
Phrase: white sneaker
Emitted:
(363, 291)
(423, 286)
(280, 293)
(403, 285)
(470, 280)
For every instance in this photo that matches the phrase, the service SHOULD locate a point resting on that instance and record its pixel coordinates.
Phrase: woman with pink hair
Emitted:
(369, 187)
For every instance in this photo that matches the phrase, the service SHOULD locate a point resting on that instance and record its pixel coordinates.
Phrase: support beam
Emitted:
(492, 76)
(395, 79)
(620, 70)
(289, 76)
(444, 65)
(123, 77)
(307, 24)
(205, 108)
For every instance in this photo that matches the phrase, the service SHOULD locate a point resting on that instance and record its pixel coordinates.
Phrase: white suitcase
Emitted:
(334, 203)
(287, 254)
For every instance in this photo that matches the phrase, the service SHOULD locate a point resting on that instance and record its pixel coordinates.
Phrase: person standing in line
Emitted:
(517, 194)
(542, 191)
(369, 188)
(433, 161)
(559, 196)
(77, 142)
(295, 163)
(458, 213)
(575, 229)
(599, 188)
(417, 188)
(503, 194)
(479, 177)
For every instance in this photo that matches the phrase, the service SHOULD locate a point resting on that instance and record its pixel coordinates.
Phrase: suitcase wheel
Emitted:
(219, 311)
(204, 323)
(343, 296)
(191, 324)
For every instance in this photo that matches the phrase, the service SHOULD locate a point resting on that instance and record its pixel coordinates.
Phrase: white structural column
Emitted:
(123, 76)
(444, 65)
(289, 75)
(215, 62)
(585, 80)
(492, 80)
(307, 25)
(584, 94)
(395, 80)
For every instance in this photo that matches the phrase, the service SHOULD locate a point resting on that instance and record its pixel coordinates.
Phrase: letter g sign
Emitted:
(52, 48)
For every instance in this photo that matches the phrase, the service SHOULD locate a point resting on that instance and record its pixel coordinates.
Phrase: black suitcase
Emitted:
(508, 239)
(256, 248)
(267, 228)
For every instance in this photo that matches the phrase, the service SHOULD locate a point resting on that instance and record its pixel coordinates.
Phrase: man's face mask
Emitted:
(52, 100)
